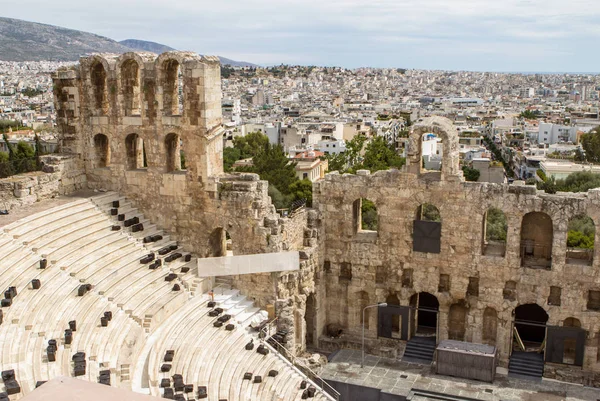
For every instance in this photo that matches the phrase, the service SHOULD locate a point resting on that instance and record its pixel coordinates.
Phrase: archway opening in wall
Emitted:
(175, 157)
(310, 316)
(495, 229)
(101, 151)
(172, 88)
(393, 299)
(136, 153)
(365, 215)
(98, 78)
(530, 323)
(427, 229)
(426, 314)
(220, 243)
(580, 241)
(432, 152)
(457, 320)
(130, 84)
(490, 326)
(570, 343)
(536, 240)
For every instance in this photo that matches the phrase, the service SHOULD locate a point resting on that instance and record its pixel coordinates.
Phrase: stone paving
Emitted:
(397, 377)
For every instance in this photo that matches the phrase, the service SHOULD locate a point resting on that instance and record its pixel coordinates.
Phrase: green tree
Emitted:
(351, 157)
(496, 225)
(251, 144)
(379, 155)
(302, 189)
(369, 217)
(428, 212)
(272, 164)
(230, 156)
(471, 174)
(591, 145)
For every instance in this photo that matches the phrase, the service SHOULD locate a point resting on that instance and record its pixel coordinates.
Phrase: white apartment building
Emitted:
(554, 133)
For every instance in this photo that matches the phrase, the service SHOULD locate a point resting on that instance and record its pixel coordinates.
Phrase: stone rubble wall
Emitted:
(378, 263)
(60, 175)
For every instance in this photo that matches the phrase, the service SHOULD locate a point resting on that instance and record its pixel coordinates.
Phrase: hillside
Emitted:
(29, 41)
(146, 46)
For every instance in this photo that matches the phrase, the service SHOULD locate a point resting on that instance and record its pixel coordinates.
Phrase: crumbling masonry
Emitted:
(150, 128)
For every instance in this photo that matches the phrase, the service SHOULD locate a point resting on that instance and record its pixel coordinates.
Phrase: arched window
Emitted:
(365, 215)
(136, 154)
(580, 241)
(432, 152)
(173, 148)
(536, 240)
(130, 83)
(172, 88)
(427, 229)
(98, 78)
(495, 229)
(101, 151)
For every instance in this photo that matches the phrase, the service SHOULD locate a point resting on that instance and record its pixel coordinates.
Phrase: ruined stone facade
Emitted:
(130, 120)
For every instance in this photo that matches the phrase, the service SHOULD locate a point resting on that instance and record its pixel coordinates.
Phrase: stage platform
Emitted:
(405, 379)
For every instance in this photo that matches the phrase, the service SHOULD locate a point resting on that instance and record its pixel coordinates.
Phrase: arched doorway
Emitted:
(536, 240)
(220, 243)
(530, 323)
(426, 308)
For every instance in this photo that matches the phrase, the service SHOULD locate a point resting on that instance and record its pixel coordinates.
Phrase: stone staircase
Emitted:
(526, 365)
(419, 350)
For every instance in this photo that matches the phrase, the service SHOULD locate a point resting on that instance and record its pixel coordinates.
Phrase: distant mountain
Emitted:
(145, 46)
(30, 41)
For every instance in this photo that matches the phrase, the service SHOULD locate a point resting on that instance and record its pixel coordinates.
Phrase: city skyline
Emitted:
(533, 36)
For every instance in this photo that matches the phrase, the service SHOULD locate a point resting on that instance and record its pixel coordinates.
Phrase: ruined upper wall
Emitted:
(108, 97)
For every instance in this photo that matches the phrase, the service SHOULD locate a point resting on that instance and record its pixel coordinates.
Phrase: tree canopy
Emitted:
(591, 145)
(580, 181)
(581, 233)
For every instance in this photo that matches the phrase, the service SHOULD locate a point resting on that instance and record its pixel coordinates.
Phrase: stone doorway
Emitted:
(425, 319)
(530, 326)
(310, 316)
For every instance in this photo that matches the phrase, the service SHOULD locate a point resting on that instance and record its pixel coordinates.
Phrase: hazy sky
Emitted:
(506, 35)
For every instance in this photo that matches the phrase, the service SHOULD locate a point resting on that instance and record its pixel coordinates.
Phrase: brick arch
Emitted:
(445, 129)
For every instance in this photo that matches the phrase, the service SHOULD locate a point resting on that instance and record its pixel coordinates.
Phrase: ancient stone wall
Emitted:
(477, 293)
(150, 128)
(60, 175)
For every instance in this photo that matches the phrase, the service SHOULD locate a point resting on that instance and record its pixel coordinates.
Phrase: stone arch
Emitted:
(530, 322)
(365, 215)
(98, 78)
(101, 151)
(536, 240)
(495, 231)
(170, 80)
(426, 317)
(173, 152)
(571, 322)
(428, 212)
(130, 81)
(135, 152)
(220, 243)
(362, 301)
(457, 320)
(444, 129)
(581, 235)
(392, 299)
(489, 326)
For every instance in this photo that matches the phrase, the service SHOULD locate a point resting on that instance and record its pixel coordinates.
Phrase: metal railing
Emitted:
(305, 370)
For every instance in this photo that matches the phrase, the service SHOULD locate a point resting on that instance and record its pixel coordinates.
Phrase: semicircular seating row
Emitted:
(129, 314)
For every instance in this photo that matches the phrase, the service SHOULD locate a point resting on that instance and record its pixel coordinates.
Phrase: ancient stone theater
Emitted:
(133, 260)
